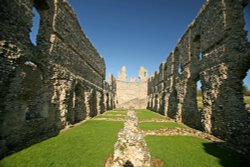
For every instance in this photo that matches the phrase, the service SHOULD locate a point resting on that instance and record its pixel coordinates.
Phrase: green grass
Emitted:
(119, 109)
(110, 116)
(114, 112)
(199, 102)
(144, 114)
(158, 125)
(87, 145)
(247, 99)
(186, 151)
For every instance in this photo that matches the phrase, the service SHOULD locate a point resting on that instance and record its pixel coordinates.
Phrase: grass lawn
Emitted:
(119, 109)
(110, 116)
(247, 99)
(143, 114)
(199, 102)
(158, 125)
(115, 113)
(87, 145)
(186, 151)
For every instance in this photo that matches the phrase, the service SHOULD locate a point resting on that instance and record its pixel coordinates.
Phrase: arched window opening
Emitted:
(35, 26)
(199, 95)
(200, 55)
(246, 90)
(180, 69)
(197, 50)
(247, 20)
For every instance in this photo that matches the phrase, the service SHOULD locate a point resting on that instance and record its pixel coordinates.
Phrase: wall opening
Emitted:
(246, 90)
(92, 104)
(35, 26)
(200, 55)
(107, 101)
(80, 110)
(197, 50)
(199, 95)
(180, 69)
(247, 20)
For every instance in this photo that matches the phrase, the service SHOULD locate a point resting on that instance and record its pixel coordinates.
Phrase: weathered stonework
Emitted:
(215, 51)
(133, 93)
(110, 93)
(46, 87)
(130, 148)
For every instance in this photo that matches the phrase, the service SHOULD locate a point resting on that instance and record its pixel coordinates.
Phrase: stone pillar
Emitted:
(87, 95)
(98, 102)
(166, 104)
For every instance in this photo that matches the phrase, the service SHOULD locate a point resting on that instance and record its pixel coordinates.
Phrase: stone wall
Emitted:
(110, 93)
(214, 50)
(133, 93)
(46, 87)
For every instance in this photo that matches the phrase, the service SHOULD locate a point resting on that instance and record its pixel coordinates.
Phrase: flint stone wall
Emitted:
(215, 51)
(46, 87)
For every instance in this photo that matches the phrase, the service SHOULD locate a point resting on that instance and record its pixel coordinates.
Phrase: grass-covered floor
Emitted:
(90, 143)
(247, 99)
(158, 125)
(186, 151)
(87, 145)
(144, 114)
(116, 112)
(110, 116)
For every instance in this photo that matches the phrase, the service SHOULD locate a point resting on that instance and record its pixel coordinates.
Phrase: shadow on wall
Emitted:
(226, 157)
(232, 126)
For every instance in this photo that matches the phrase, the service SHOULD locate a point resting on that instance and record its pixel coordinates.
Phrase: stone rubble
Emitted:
(130, 149)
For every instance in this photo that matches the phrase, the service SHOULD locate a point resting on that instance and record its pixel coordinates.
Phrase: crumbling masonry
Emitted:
(215, 51)
(131, 94)
(46, 87)
(60, 81)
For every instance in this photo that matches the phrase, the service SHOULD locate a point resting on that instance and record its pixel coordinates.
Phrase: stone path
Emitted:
(130, 148)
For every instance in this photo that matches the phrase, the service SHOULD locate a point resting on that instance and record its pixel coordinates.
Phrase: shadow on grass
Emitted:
(227, 158)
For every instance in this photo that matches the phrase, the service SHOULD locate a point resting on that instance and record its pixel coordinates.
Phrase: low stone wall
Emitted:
(214, 50)
(47, 86)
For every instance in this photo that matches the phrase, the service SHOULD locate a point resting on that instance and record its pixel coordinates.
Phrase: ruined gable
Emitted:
(131, 93)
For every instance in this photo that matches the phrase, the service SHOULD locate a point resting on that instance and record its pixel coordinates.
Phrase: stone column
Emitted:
(87, 96)
(98, 102)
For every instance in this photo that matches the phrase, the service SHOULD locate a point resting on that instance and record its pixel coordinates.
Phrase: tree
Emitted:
(246, 91)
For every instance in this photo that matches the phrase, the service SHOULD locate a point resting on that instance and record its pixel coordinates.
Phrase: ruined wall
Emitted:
(215, 51)
(110, 93)
(46, 87)
(133, 93)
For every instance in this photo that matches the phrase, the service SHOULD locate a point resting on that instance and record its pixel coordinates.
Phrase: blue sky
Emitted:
(136, 32)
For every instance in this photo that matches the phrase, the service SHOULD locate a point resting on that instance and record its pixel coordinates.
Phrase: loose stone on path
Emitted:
(130, 148)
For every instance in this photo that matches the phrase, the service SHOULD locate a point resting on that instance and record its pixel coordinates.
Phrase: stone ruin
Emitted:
(130, 148)
(214, 50)
(60, 80)
(51, 85)
(133, 93)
